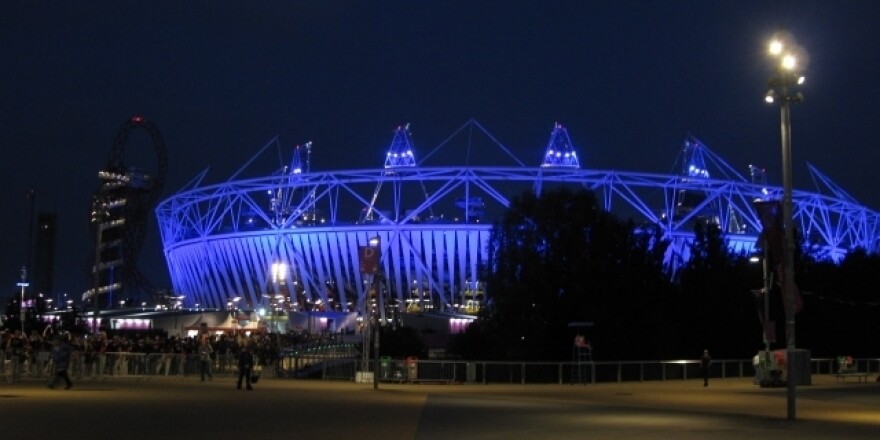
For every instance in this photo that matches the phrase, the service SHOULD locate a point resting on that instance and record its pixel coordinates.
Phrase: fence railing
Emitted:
(99, 366)
(343, 363)
(488, 372)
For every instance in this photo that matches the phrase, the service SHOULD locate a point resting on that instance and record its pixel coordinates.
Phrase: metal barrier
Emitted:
(342, 361)
(326, 361)
(489, 372)
(124, 365)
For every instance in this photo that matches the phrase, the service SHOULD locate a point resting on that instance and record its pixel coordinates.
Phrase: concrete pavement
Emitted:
(172, 408)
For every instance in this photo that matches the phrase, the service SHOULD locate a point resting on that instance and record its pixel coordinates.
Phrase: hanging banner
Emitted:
(369, 259)
(773, 234)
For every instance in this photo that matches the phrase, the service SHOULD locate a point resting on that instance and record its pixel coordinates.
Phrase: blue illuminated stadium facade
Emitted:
(295, 233)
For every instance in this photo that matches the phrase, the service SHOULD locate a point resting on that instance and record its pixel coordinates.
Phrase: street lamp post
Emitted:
(765, 263)
(98, 215)
(21, 310)
(369, 257)
(786, 78)
(279, 280)
(374, 243)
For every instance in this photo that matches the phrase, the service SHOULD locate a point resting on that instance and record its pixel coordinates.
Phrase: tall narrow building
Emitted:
(44, 254)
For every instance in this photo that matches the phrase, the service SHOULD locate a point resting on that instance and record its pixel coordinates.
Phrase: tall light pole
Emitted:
(21, 310)
(765, 263)
(98, 217)
(279, 279)
(379, 319)
(786, 78)
(369, 257)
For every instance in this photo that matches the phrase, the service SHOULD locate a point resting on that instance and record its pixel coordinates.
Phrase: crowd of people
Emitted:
(93, 356)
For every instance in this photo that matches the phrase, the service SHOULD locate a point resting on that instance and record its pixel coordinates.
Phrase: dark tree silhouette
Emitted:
(717, 308)
(841, 305)
(559, 258)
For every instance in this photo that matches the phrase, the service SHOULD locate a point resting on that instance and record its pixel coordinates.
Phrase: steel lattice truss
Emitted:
(296, 234)
(221, 241)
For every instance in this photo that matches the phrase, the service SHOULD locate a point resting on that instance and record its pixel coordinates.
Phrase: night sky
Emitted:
(629, 79)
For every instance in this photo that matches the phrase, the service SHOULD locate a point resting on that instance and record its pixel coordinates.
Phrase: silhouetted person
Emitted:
(705, 362)
(205, 350)
(245, 366)
(61, 360)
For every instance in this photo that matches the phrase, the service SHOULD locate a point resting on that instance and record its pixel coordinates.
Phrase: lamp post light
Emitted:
(23, 284)
(379, 319)
(279, 278)
(765, 268)
(785, 80)
(369, 257)
(764, 294)
(98, 217)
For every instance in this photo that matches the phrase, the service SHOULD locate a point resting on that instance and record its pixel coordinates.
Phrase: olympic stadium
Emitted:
(290, 237)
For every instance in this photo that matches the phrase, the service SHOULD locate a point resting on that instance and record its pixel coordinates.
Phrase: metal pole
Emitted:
(99, 220)
(368, 326)
(376, 324)
(21, 311)
(766, 267)
(788, 273)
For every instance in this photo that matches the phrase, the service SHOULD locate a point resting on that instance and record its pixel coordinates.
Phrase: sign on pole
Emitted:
(369, 259)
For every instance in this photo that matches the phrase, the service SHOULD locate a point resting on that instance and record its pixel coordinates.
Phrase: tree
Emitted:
(400, 342)
(841, 303)
(716, 306)
(560, 258)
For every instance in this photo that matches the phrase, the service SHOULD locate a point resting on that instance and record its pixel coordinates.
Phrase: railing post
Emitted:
(522, 377)
(619, 372)
(641, 371)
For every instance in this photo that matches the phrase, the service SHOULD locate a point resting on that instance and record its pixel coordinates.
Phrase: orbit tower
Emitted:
(119, 214)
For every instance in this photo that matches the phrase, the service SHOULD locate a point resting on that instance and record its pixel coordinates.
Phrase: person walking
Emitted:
(165, 359)
(245, 366)
(61, 360)
(100, 355)
(16, 351)
(705, 362)
(205, 351)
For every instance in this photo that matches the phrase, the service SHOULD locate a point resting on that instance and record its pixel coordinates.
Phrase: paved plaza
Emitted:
(185, 408)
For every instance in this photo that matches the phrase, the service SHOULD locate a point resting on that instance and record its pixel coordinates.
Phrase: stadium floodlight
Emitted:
(785, 79)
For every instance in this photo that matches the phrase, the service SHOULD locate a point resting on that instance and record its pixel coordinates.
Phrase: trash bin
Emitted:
(384, 367)
(471, 372)
(760, 373)
(399, 370)
(412, 368)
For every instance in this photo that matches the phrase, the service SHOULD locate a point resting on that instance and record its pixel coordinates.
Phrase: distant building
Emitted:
(42, 274)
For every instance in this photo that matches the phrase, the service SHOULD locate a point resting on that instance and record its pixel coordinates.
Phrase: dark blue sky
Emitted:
(629, 79)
